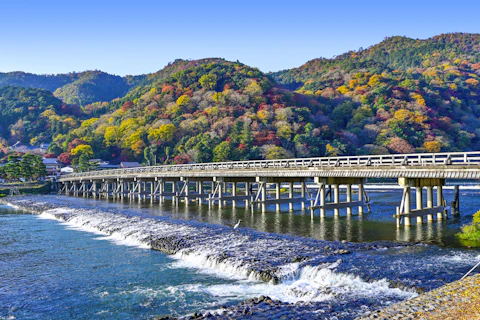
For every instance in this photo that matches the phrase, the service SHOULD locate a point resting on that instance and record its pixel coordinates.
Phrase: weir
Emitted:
(275, 182)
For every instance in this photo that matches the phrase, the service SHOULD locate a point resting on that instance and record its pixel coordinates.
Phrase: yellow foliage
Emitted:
(89, 122)
(129, 124)
(164, 133)
(403, 115)
(34, 141)
(352, 83)
(263, 114)
(71, 122)
(48, 113)
(342, 89)
(455, 72)
(432, 146)
(453, 86)
(253, 89)
(172, 109)
(183, 100)
(419, 99)
(374, 80)
(112, 135)
(82, 149)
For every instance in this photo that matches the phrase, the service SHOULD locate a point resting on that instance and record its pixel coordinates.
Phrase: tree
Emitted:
(83, 149)
(163, 133)
(27, 166)
(208, 81)
(65, 157)
(222, 152)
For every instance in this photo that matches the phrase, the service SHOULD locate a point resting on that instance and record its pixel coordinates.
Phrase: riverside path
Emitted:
(317, 180)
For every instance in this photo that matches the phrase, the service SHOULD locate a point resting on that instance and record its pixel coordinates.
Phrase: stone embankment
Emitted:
(455, 301)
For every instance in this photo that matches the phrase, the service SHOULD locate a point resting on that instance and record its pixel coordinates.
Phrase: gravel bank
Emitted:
(456, 300)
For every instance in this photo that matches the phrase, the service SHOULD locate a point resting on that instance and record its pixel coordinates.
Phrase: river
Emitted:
(84, 258)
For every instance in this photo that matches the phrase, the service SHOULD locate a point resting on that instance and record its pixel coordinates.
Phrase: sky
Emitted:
(142, 36)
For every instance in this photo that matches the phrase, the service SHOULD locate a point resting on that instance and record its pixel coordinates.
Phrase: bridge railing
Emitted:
(417, 159)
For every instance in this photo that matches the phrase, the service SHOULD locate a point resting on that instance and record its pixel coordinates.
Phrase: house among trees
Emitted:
(66, 170)
(53, 166)
(129, 164)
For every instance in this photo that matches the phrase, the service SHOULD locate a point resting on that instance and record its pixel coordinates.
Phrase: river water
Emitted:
(99, 265)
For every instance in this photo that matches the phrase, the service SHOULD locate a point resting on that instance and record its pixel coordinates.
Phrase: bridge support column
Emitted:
(429, 202)
(360, 197)
(440, 214)
(234, 194)
(200, 191)
(336, 199)
(277, 195)
(248, 193)
(336, 205)
(290, 195)
(419, 202)
(349, 198)
(404, 211)
(302, 193)
(174, 192)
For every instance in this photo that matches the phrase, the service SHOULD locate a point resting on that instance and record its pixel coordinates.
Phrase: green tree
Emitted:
(222, 152)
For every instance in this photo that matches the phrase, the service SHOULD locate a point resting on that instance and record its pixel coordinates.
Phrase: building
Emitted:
(130, 165)
(53, 166)
(66, 170)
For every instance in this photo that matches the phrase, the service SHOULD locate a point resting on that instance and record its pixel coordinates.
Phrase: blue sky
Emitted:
(142, 36)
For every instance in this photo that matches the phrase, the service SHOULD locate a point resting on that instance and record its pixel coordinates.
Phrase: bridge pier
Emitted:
(405, 211)
(334, 193)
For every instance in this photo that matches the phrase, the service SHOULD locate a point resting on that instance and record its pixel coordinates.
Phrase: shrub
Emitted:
(471, 231)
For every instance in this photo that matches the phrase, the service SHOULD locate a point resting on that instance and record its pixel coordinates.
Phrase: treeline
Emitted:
(28, 167)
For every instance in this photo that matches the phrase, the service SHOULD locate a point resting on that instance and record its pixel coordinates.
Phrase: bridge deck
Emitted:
(459, 165)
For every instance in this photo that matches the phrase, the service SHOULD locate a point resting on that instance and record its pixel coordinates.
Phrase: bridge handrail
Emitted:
(416, 159)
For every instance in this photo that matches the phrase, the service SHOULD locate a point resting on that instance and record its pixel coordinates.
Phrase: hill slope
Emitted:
(403, 94)
(33, 115)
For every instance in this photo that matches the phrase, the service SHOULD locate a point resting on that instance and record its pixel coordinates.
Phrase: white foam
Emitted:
(297, 282)
(312, 284)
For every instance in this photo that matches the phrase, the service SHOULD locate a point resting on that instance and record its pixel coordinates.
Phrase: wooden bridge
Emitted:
(318, 181)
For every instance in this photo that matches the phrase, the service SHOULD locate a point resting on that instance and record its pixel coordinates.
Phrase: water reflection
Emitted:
(376, 225)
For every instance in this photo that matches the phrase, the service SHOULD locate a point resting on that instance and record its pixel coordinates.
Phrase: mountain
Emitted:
(205, 110)
(403, 94)
(399, 96)
(33, 115)
(93, 86)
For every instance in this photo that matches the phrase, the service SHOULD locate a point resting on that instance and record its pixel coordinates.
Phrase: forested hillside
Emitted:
(404, 95)
(74, 88)
(33, 116)
(212, 110)
(401, 95)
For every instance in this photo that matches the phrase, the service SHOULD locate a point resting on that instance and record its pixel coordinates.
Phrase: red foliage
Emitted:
(476, 66)
(50, 155)
(266, 137)
(127, 106)
(182, 159)
(167, 88)
(398, 145)
(75, 143)
(65, 158)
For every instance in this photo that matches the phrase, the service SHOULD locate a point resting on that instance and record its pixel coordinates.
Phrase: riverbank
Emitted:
(34, 188)
(456, 300)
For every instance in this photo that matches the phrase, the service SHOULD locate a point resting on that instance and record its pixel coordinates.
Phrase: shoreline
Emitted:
(456, 300)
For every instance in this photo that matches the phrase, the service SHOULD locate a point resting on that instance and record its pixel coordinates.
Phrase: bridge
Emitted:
(317, 181)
